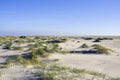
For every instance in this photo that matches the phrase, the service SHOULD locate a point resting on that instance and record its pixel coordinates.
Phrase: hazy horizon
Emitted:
(60, 17)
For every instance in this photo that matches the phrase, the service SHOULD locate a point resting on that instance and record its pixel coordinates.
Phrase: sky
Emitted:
(60, 17)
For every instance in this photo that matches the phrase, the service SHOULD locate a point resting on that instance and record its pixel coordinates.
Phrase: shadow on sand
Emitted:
(86, 52)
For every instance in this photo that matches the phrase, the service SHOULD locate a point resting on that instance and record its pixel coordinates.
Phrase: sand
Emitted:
(108, 64)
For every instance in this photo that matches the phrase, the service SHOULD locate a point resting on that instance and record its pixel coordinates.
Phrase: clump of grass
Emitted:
(31, 59)
(55, 66)
(56, 60)
(96, 73)
(8, 61)
(63, 40)
(34, 45)
(115, 79)
(64, 52)
(16, 48)
(57, 72)
(74, 70)
(20, 41)
(7, 45)
(47, 75)
(19, 59)
(41, 53)
(52, 47)
(102, 49)
(84, 45)
(1, 44)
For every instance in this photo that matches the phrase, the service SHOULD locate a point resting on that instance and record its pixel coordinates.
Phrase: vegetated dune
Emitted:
(108, 64)
(100, 62)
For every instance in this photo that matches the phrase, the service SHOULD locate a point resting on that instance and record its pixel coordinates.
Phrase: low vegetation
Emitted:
(17, 48)
(101, 49)
(57, 72)
(84, 46)
(7, 45)
(43, 46)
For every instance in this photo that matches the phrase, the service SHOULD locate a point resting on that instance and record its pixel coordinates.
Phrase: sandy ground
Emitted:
(15, 72)
(108, 64)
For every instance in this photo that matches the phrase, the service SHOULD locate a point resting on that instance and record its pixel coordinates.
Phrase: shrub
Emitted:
(84, 46)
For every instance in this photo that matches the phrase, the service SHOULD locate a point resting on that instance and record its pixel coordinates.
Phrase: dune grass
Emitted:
(102, 49)
(17, 48)
(84, 46)
(57, 72)
(7, 45)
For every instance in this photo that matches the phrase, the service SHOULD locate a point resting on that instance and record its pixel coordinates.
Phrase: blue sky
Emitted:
(60, 17)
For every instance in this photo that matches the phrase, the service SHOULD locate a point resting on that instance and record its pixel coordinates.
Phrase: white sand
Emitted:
(108, 64)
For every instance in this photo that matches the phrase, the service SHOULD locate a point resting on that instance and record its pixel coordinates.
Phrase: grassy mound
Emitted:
(101, 49)
(84, 45)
